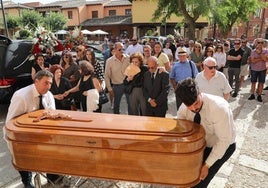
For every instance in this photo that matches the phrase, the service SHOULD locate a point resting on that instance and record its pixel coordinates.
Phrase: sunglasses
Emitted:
(79, 50)
(120, 49)
(260, 42)
(211, 67)
(150, 67)
(237, 43)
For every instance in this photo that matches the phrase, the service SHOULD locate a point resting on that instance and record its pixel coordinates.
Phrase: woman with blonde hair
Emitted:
(197, 56)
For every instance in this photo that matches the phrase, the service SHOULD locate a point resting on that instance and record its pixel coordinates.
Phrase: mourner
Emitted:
(31, 98)
(215, 115)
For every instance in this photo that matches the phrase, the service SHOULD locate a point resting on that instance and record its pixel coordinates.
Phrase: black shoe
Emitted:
(252, 96)
(234, 94)
(28, 185)
(266, 88)
(259, 98)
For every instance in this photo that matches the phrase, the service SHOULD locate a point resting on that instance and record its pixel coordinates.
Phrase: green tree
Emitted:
(229, 12)
(12, 23)
(190, 10)
(31, 19)
(55, 21)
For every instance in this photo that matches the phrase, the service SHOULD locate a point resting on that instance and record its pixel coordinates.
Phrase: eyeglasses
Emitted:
(211, 67)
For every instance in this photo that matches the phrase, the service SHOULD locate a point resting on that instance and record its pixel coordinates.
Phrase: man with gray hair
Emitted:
(155, 89)
(212, 81)
(31, 98)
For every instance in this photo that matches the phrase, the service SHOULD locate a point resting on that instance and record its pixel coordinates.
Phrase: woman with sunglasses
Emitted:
(98, 69)
(220, 57)
(197, 57)
(70, 71)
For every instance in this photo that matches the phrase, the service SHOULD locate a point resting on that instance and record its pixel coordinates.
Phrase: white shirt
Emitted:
(220, 59)
(27, 100)
(217, 120)
(217, 85)
(134, 48)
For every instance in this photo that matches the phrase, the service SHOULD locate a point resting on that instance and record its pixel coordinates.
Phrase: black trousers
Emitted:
(26, 177)
(216, 166)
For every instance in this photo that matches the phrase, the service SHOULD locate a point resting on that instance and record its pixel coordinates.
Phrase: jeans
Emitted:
(119, 90)
(234, 72)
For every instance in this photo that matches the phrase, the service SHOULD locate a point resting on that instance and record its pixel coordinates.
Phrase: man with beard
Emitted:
(215, 115)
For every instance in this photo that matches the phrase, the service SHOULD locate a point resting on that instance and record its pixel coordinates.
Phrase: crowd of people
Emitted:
(203, 75)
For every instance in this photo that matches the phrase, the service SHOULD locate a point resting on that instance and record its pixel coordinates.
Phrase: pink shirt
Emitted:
(261, 65)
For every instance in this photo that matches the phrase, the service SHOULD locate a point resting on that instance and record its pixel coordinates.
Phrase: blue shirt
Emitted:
(181, 71)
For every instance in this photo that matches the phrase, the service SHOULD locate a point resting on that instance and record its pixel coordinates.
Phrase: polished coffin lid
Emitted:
(123, 147)
(110, 131)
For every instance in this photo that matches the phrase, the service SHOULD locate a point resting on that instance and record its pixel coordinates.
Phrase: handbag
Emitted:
(103, 98)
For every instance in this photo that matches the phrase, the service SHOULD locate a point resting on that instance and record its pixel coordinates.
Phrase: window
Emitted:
(257, 13)
(112, 12)
(128, 12)
(70, 14)
(95, 14)
(234, 31)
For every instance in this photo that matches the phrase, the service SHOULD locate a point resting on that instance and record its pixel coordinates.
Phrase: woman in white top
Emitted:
(220, 57)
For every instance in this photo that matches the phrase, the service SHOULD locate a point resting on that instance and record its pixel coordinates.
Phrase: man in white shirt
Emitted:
(26, 100)
(134, 47)
(214, 114)
(212, 81)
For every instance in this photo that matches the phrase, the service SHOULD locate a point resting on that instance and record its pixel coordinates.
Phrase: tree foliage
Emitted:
(190, 10)
(229, 12)
(55, 21)
(30, 19)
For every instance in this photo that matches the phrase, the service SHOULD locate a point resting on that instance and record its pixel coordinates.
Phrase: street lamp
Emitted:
(4, 18)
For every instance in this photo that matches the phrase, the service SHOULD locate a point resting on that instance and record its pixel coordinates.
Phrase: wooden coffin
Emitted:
(122, 147)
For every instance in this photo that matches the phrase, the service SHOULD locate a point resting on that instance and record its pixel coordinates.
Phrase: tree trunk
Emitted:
(191, 29)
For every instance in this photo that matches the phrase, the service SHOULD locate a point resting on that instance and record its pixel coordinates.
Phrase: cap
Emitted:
(182, 51)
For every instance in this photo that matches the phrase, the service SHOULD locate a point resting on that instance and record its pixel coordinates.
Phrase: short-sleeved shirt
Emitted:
(181, 71)
(217, 85)
(235, 63)
(261, 65)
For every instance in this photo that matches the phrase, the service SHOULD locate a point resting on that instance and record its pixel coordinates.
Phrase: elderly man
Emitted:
(155, 89)
(181, 70)
(215, 115)
(212, 81)
(114, 75)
